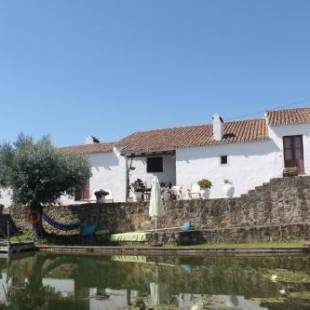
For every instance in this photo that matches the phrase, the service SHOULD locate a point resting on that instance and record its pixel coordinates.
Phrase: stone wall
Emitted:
(278, 210)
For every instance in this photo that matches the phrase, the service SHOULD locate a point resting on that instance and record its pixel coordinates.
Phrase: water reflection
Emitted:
(138, 282)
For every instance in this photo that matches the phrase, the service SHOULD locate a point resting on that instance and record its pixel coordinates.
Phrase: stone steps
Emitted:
(260, 190)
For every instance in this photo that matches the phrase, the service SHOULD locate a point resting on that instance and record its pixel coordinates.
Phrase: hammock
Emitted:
(59, 226)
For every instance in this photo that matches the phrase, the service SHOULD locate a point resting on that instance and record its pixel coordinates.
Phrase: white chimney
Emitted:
(218, 127)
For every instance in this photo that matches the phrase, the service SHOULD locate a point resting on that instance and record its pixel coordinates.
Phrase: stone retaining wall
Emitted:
(278, 210)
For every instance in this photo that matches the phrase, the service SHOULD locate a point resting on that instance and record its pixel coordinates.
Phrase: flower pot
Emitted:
(101, 199)
(228, 190)
(137, 196)
(166, 196)
(204, 193)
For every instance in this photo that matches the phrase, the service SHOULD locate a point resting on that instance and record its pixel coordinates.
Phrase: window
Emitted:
(224, 160)
(82, 194)
(154, 164)
(293, 153)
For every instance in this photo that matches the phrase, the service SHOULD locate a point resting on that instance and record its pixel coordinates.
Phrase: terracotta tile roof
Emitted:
(88, 148)
(173, 138)
(288, 117)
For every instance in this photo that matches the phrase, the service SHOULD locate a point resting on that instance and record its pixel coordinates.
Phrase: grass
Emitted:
(252, 245)
(227, 245)
(22, 237)
(102, 238)
(287, 276)
(219, 245)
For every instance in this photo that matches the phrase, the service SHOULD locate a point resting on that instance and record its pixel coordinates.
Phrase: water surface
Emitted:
(137, 282)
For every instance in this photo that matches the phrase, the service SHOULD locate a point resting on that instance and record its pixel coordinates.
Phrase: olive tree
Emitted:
(38, 175)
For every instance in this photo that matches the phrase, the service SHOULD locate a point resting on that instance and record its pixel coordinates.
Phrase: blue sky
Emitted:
(70, 68)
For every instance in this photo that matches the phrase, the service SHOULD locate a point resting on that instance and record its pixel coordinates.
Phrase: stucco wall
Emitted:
(5, 197)
(108, 172)
(249, 165)
(168, 174)
(277, 133)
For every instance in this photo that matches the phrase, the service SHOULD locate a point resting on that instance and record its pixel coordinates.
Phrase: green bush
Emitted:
(205, 183)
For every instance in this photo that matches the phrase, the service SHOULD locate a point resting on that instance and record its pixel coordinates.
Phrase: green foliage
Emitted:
(37, 173)
(204, 183)
(22, 237)
(287, 276)
(138, 186)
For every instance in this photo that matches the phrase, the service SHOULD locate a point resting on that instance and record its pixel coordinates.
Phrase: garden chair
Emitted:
(194, 192)
(178, 192)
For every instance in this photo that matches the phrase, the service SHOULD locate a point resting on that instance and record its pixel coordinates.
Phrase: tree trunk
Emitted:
(38, 232)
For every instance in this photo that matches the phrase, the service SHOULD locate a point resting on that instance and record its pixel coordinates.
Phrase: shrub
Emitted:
(138, 186)
(205, 183)
(101, 193)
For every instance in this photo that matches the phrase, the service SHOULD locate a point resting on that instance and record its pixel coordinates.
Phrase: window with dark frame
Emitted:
(224, 160)
(154, 164)
(293, 152)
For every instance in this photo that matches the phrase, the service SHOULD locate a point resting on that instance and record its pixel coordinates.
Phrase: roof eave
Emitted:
(213, 143)
(290, 124)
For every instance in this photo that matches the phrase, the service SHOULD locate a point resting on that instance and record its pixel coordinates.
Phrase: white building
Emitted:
(247, 153)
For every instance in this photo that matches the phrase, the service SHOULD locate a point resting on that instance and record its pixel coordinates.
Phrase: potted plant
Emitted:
(228, 189)
(138, 188)
(205, 186)
(290, 172)
(100, 195)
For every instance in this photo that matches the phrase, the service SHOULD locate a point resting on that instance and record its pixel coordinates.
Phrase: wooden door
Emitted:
(83, 194)
(294, 153)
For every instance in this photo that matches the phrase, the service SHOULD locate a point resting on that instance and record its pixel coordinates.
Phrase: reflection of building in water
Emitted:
(95, 298)
(187, 301)
(104, 298)
(89, 283)
(65, 287)
(109, 299)
(5, 283)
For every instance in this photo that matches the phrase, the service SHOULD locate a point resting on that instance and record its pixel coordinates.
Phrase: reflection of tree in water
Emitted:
(20, 299)
(170, 277)
(33, 295)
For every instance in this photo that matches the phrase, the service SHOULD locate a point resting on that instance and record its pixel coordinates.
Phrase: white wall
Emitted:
(5, 197)
(249, 165)
(108, 172)
(277, 133)
(168, 175)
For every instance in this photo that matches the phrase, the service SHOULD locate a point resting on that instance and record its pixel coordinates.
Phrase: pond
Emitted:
(47, 281)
